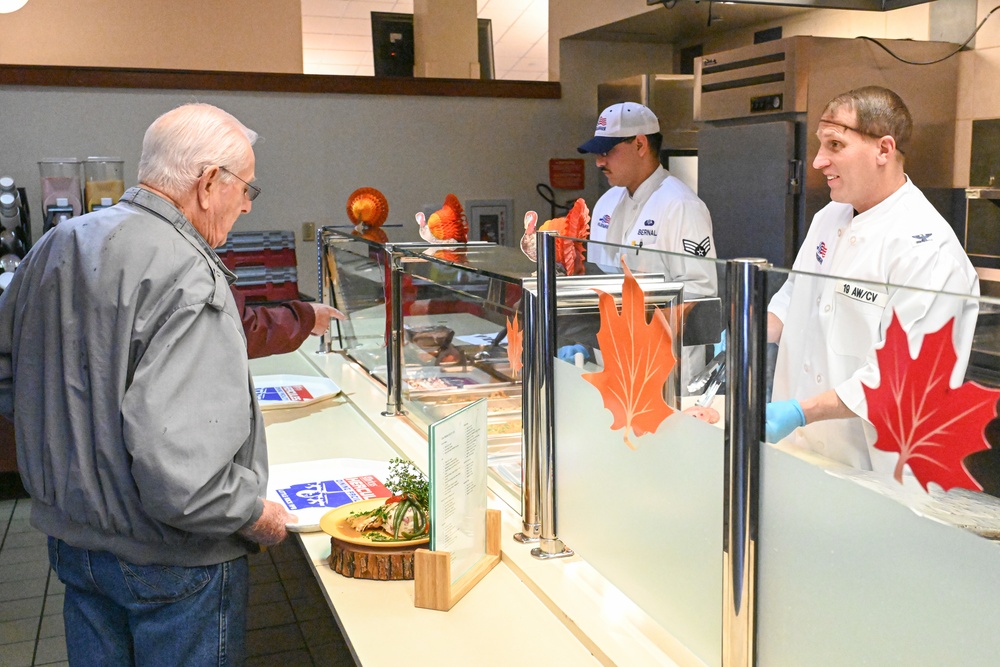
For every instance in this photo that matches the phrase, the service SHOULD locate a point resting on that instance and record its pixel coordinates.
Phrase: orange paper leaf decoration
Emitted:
(638, 358)
(916, 412)
(515, 336)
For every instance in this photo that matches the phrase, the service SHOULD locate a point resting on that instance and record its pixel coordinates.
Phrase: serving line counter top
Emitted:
(562, 612)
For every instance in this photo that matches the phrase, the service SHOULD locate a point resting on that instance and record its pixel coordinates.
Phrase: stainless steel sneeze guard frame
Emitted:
(530, 479)
(745, 396)
(539, 305)
(394, 353)
(545, 343)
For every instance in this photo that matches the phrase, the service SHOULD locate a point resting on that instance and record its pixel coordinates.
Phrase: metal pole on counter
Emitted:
(545, 342)
(394, 353)
(745, 403)
(530, 527)
(322, 277)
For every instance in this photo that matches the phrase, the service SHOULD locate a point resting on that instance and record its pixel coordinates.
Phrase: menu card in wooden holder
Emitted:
(433, 586)
(465, 536)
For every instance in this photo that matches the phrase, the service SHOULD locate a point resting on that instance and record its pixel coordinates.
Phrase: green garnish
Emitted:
(405, 479)
(412, 496)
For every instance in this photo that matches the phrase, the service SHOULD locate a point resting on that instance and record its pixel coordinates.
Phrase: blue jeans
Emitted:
(119, 613)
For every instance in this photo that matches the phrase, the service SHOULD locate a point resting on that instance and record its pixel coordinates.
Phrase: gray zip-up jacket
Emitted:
(138, 430)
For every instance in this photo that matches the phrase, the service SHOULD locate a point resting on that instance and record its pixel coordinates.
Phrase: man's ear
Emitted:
(208, 182)
(886, 149)
(642, 144)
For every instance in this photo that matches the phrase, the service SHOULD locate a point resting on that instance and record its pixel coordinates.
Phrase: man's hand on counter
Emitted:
(270, 529)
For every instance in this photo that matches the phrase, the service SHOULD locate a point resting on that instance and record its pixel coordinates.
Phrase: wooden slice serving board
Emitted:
(366, 562)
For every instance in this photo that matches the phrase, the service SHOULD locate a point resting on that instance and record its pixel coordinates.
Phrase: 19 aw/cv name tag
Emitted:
(863, 292)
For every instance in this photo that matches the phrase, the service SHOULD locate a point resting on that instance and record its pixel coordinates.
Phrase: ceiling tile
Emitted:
(332, 8)
(520, 29)
(360, 9)
(331, 57)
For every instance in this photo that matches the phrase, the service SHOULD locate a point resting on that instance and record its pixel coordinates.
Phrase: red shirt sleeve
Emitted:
(274, 329)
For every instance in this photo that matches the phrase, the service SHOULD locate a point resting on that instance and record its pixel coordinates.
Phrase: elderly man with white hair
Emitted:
(139, 436)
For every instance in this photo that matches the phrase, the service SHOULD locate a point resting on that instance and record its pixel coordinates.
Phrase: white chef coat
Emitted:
(663, 214)
(834, 320)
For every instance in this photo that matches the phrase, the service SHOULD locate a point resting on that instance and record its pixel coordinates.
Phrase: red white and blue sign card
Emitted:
(310, 489)
(289, 391)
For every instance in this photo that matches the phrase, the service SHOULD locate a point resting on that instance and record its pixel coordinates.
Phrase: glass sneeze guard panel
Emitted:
(356, 271)
(456, 311)
(858, 562)
(648, 513)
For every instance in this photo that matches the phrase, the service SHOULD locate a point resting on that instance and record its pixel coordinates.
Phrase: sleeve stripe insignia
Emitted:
(698, 249)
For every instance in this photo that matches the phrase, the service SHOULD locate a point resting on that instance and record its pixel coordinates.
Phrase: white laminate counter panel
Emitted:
(500, 622)
(559, 612)
(328, 429)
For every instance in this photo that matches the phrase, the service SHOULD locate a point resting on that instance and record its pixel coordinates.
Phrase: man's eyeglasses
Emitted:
(623, 141)
(252, 190)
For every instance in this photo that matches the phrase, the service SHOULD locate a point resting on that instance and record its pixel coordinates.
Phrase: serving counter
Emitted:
(563, 613)
(674, 540)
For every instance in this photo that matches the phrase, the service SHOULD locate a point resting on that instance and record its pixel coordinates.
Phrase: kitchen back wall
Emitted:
(313, 151)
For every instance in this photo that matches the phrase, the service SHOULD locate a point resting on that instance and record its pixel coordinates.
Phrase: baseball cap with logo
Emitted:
(619, 122)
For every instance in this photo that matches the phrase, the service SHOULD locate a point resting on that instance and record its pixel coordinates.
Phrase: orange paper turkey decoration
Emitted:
(446, 224)
(569, 254)
(376, 234)
(576, 224)
(367, 206)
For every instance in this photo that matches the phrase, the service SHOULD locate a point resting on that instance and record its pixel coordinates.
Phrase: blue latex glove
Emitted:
(720, 347)
(783, 417)
(567, 352)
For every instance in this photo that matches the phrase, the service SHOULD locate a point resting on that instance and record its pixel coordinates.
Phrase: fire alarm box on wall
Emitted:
(566, 173)
(490, 219)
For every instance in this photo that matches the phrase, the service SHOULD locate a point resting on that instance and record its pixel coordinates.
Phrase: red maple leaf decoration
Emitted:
(515, 336)
(916, 413)
(638, 357)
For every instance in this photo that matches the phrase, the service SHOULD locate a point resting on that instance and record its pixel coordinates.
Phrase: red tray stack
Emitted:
(264, 263)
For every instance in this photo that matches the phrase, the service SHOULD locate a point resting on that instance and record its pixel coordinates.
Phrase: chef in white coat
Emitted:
(646, 206)
(879, 232)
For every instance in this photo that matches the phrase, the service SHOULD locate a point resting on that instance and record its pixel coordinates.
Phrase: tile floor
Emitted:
(289, 621)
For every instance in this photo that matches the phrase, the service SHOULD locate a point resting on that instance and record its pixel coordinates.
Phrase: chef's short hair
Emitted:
(879, 111)
(655, 142)
(183, 142)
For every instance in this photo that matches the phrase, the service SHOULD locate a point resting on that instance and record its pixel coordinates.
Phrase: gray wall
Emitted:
(313, 152)
(315, 149)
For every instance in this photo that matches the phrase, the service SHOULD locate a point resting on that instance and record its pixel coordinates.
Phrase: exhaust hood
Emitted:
(864, 5)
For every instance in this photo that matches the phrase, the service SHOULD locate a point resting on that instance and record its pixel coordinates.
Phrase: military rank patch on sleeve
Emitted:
(699, 249)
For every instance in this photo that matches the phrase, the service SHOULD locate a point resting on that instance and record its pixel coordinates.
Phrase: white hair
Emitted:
(183, 142)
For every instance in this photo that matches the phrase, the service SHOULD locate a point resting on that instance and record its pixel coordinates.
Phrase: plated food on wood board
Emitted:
(403, 517)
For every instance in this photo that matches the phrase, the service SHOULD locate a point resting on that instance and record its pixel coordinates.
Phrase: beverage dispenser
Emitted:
(61, 190)
(104, 182)
(13, 219)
